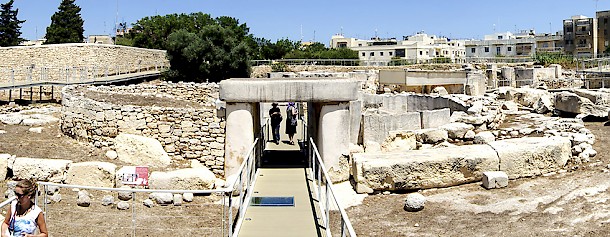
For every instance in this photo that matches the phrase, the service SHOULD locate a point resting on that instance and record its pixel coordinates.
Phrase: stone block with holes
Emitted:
(495, 179)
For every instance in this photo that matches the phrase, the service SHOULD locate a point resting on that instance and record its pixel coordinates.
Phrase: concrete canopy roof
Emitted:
(289, 89)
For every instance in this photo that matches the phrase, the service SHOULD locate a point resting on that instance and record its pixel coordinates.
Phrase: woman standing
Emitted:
(291, 121)
(23, 216)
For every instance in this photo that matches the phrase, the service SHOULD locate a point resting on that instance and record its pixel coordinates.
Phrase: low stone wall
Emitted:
(185, 133)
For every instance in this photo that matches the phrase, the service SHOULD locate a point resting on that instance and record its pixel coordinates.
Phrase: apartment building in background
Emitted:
(522, 44)
(420, 47)
(603, 31)
(549, 43)
(580, 36)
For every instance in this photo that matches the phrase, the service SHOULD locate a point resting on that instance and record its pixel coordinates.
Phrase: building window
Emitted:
(363, 54)
(390, 53)
(421, 52)
(486, 49)
(605, 20)
(498, 50)
(473, 50)
(359, 45)
(584, 28)
(499, 37)
(509, 49)
(372, 54)
(569, 29)
(380, 53)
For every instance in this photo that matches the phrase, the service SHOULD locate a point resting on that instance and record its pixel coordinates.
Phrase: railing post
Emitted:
(133, 214)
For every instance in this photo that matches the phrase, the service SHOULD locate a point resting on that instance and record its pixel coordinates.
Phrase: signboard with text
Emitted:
(134, 175)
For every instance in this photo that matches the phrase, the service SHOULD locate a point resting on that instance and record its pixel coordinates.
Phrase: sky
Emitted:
(318, 20)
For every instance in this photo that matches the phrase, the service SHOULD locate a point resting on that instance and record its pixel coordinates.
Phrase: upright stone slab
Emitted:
(532, 156)
(333, 141)
(435, 118)
(378, 124)
(239, 135)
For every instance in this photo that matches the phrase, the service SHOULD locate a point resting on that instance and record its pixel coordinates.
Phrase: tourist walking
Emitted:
(276, 119)
(23, 216)
(291, 121)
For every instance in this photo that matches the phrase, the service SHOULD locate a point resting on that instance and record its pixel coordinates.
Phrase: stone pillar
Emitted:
(239, 135)
(333, 139)
(492, 75)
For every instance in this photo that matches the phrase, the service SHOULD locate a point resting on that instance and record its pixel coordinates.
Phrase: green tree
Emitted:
(10, 26)
(212, 52)
(66, 24)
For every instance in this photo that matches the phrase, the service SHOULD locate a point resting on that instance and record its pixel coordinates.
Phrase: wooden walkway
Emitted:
(95, 81)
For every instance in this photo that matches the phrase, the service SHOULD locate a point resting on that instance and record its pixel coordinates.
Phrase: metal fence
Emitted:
(392, 62)
(335, 222)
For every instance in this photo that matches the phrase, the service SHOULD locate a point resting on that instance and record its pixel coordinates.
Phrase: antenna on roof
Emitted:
(301, 32)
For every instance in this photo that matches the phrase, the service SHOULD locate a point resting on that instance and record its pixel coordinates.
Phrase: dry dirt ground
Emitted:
(571, 203)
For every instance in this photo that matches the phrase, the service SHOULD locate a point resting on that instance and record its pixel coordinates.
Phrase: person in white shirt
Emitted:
(23, 216)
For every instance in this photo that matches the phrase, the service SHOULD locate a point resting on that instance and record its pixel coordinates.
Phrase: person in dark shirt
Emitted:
(276, 119)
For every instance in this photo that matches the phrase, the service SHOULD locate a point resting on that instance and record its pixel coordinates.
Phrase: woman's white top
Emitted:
(25, 224)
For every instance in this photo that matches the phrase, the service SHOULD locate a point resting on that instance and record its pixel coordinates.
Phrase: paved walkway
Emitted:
(297, 220)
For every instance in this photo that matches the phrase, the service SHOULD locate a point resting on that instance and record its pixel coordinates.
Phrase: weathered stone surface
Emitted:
(162, 198)
(432, 135)
(417, 169)
(510, 106)
(35, 130)
(185, 179)
(177, 199)
(148, 203)
(11, 119)
(414, 202)
(532, 156)
(107, 200)
(187, 197)
(484, 137)
(4, 165)
(440, 90)
(457, 130)
(377, 124)
(122, 205)
(83, 200)
(495, 179)
(51, 170)
(544, 104)
(97, 174)
(435, 118)
(111, 155)
(572, 103)
(371, 147)
(399, 141)
(125, 195)
(139, 150)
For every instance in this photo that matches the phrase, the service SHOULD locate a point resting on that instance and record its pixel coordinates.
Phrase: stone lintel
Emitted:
(292, 89)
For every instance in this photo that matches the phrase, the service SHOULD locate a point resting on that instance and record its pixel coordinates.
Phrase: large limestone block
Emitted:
(572, 103)
(51, 170)
(377, 124)
(399, 141)
(184, 179)
(418, 169)
(531, 156)
(98, 174)
(139, 150)
(431, 136)
(457, 130)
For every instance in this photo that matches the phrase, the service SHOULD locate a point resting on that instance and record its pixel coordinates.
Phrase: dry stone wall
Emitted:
(185, 133)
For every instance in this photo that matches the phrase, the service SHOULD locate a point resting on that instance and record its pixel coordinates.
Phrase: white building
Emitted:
(416, 48)
(502, 45)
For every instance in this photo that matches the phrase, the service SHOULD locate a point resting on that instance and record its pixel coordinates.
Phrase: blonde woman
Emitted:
(23, 216)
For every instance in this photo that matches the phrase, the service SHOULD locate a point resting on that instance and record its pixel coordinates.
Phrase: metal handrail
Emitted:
(7, 201)
(247, 168)
(320, 170)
